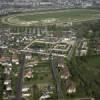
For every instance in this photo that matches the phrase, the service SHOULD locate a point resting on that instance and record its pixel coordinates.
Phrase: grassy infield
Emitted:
(65, 15)
(69, 15)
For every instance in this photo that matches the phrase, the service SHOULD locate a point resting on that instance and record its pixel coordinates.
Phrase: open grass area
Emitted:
(41, 74)
(71, 14)
(51, 17)
(86, 73)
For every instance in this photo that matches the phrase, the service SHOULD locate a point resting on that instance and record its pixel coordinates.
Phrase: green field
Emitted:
(51, 17)
(86, 72)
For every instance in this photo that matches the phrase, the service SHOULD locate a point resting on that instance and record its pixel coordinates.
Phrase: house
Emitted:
(28, 74)
(32, 63)
(26, 94)
(61, 62)
(44, 97)
(83, 52)
(61, 66)
(15, 60)
(7, 71)
(28, 56)
(25, 89)
(8, 88)
(64, 73)
(44, 58)
(6, 82)
(4, 59)
(70, 87)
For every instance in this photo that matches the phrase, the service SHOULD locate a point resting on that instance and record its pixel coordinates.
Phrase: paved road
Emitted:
(56, 78)
(29, 44)
(19, 83)
(44, 53)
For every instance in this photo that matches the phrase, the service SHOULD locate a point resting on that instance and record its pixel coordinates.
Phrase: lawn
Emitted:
(41, 74)
(74, 15)
(66, 14)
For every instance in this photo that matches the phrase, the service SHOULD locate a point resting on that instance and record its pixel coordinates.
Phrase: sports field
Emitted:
(51, 17)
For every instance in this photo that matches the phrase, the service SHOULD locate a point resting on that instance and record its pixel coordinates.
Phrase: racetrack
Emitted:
(51, 17)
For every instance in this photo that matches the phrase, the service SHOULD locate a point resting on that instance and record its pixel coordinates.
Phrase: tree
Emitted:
(35, 92)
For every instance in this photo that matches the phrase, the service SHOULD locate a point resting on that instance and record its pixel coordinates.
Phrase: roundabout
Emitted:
(51, 17)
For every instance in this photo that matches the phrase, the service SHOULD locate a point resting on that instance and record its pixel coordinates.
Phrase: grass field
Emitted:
(51, 17)
(86, 73)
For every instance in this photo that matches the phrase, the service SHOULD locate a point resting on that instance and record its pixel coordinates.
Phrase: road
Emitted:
(29, 44)
(43, 53)
(18, 95)
(56, 77)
